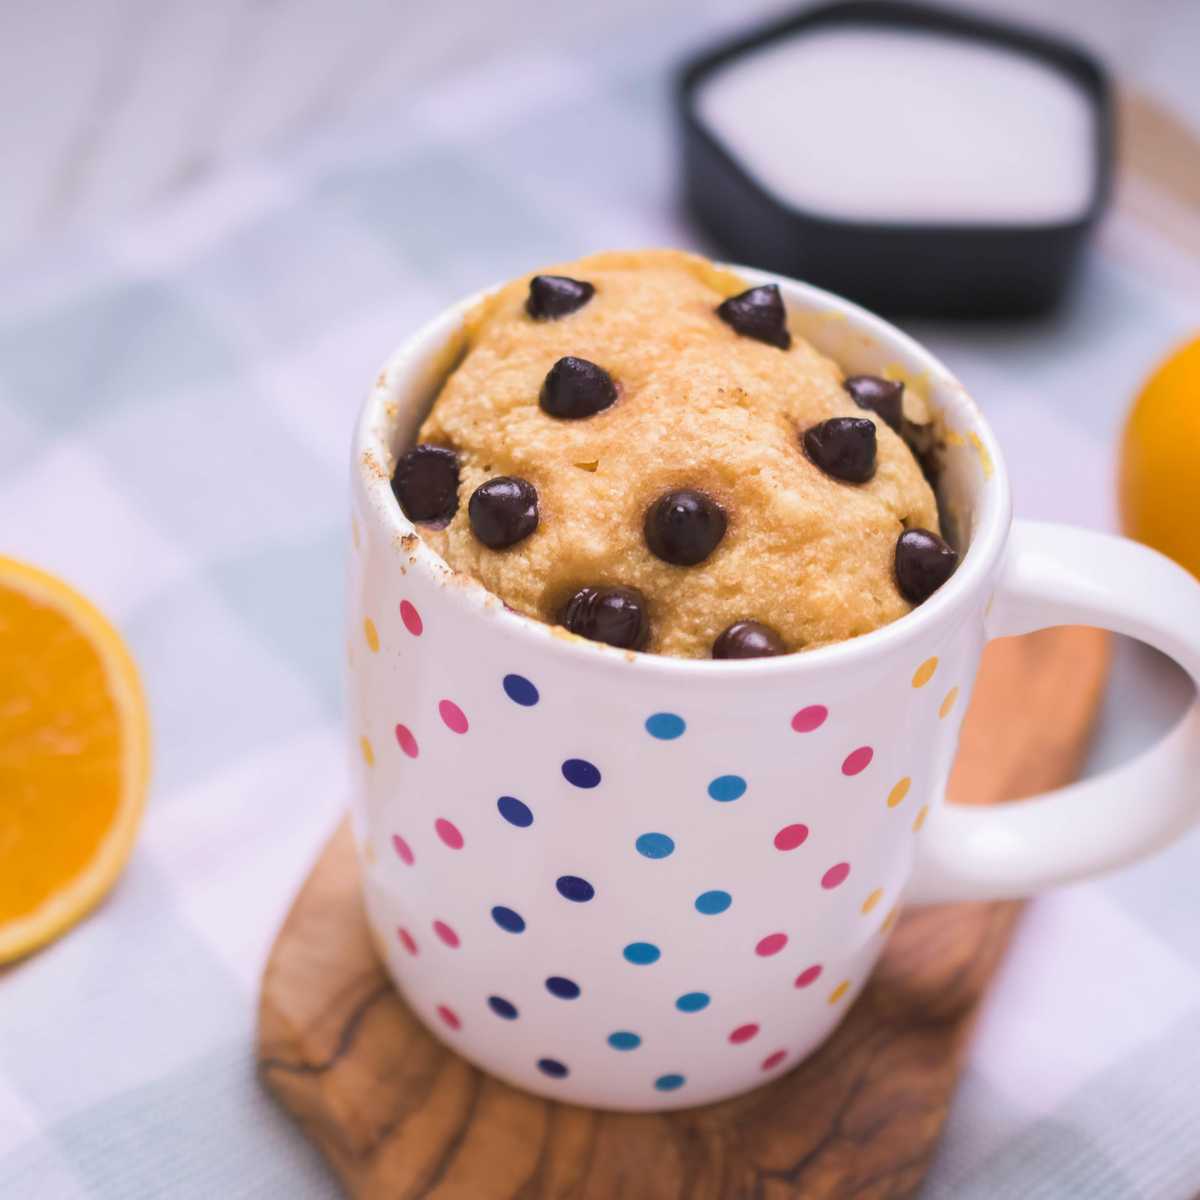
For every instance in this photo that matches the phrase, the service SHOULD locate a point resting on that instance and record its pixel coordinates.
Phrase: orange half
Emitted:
(1159, 481)
(74, 757)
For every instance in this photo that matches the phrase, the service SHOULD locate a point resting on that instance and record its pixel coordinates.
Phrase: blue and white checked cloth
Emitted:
(175, 406)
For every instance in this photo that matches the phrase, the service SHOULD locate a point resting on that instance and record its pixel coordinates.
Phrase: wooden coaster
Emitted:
(398, 1115)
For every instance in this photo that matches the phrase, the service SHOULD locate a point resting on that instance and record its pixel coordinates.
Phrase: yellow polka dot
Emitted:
(872, 900)
(369, 855)
(839, 991)
(897, 794)
(371, 633)
(890, 919)
(948, 703)
(354, 532)
(924, 673)
(368, 751)
(920, 818)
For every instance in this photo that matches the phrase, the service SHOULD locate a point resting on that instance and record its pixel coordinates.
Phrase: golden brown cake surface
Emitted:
(699, 407)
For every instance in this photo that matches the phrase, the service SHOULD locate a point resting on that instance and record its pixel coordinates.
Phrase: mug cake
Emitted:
(636, 447)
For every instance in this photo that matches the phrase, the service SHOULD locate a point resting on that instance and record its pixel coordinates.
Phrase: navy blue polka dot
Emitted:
(515, 812)
(655, 845)
(669, 1083)
(642, 953)
(571, 887)
(711, 903)
(581, 773)
(624, 1040)
(502, 1008)
(665, 726)
(520, 691)
(692, 1001)
(552, 1067)
(564, 989)
(507, 919)
(727, 787)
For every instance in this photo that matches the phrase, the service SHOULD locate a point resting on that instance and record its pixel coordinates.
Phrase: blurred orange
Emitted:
(1159, 483)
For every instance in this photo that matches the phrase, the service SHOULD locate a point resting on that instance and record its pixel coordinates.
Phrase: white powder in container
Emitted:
(905, 126)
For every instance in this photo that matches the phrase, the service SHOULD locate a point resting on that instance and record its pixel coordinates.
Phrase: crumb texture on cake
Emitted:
(698, 407)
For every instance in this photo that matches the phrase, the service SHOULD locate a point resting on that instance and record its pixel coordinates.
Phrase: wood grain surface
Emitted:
(399, 1116)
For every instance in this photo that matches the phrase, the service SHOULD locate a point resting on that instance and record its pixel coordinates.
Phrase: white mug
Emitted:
(641, 882)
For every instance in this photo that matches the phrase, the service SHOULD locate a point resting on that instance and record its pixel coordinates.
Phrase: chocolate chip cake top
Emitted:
(637, 447)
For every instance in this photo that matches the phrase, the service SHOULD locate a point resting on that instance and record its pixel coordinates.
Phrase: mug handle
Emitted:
(1058, 575)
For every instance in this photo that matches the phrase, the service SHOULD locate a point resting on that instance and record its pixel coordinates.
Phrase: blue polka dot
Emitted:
(507, 919)
(552, 1067)
(581, 773)
(669, 1083)
(711, 903)
(692, 1001)
(727, 787)
(515, 812)
(655, 845)
(624, 1040)
(665, 726)
(642, 953)
(564, 989)
(571, 887)
(520, 691)
(502, 1008)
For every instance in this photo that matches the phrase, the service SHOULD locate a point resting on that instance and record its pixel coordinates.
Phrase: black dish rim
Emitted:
(1064, 57)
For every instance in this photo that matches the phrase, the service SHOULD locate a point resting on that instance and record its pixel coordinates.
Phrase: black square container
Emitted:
(913, 268)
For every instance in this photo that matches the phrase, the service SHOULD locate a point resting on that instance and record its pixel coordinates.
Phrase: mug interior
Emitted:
(971, 481)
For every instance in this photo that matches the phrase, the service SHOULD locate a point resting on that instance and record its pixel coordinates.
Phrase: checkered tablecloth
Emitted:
(175, 407)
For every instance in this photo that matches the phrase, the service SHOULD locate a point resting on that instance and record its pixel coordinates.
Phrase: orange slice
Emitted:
(74, 757)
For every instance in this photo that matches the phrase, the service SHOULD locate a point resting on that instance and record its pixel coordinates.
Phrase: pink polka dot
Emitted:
(411, 618)
(791, 836)
(446, 934)
(858, 760)
(810, 718)
(743, 1033)
(408, 743)
(455, 718)
(449, 1016)
(403, 849)
(407, 940)
(835, 876)
(773, 1060)
(771, 944)
(808, 976)
(449, 834)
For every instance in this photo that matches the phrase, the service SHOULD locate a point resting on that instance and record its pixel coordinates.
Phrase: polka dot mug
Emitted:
(639, 882)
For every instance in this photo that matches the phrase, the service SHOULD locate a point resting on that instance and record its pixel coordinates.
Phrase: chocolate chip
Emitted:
(503, 511)
(554, 296)
(758, 313)
(882, 396)
(684, 527)
(748, 639)
(923, 563)
(616, 615)
(576, 388)
(843, 447)
(425, 483)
